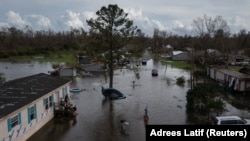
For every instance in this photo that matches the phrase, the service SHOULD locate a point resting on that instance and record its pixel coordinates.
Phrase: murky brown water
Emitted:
(99, 119)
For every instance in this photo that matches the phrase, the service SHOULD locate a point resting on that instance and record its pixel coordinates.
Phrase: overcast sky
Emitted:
(175, 16)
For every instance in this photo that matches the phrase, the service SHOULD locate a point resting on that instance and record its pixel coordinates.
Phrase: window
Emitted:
(48, 102)
(31, 113)
(14, 121)
(240, 122)
(229, 122)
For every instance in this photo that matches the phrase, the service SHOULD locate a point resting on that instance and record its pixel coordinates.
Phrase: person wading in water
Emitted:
(146, 114)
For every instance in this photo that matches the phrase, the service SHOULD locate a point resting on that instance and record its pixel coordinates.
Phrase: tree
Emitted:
(208, 26)
(115, 27)
(211, 33)
(204, 99)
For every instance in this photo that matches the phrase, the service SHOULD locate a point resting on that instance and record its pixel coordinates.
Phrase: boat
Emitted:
(75, 90)
(112, 93)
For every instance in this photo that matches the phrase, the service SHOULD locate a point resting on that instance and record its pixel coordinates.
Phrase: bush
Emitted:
(204, 99)
(180, 80)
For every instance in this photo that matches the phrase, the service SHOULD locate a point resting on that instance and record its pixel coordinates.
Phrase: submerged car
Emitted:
(144, 62)
(154, 72)
(112, 93)
(231, 120)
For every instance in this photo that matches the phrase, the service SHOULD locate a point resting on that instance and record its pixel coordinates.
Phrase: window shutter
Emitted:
(44, 102)
(28, 111)
(9, 125)
(19, 118)
(35, 111)
(53, 100)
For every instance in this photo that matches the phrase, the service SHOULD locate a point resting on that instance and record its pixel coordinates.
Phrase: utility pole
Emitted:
(192, 66)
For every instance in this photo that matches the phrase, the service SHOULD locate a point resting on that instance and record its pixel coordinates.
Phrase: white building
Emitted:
(27, 104)
(67, 71)
(232, 79)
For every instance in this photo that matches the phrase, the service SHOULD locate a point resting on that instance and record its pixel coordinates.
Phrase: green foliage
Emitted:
(204, 99)
(180, 80)
(115, 28)
(177, 64)
(112, 20)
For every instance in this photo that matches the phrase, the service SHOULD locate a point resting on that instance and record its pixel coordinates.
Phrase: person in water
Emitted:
(146, 113)
(123, 123)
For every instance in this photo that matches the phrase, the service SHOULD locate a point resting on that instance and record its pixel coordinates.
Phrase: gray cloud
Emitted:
(41, 22)
(173, 16)
(14, 19)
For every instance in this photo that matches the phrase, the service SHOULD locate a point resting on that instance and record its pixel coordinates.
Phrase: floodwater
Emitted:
(99, 119)
(14, 70)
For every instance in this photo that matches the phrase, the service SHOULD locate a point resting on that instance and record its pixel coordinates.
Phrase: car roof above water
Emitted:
(228, 117)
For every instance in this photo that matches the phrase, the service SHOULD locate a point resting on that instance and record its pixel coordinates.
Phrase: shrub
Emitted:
(180, 80)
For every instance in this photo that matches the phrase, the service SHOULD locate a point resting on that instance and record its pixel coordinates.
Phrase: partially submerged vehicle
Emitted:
(112, 93)
(231, 120)
(144, 62)
(154, 72)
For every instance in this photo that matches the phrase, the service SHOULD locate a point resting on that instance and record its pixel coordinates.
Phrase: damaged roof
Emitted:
(20, 92)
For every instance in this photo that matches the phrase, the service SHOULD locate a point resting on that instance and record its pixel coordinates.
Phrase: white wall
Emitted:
(220, 76)
(212, 73)
(242, 85)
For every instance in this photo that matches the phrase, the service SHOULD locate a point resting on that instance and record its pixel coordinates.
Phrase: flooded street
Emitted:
(99, 119)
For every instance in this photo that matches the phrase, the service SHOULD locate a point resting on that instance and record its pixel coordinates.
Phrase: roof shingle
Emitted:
(20, 92)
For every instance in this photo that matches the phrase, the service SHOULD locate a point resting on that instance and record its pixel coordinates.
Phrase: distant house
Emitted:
(67, 71)
(168, 47)
(93, 68)
(27, 104)
(166, 51)
(181, 56)
(213, 52)
(237, 81)
(239, 60)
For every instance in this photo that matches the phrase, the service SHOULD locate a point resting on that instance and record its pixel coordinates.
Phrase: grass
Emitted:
(235, 68)
(180, 64)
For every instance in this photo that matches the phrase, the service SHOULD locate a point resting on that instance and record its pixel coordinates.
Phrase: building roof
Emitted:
(235, 74)
(177, 52)
(20, 92)
(93, 67)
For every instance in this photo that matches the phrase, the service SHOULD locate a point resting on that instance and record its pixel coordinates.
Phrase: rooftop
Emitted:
(20, 92)
(234, 73)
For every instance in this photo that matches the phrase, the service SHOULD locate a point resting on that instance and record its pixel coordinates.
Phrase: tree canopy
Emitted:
(204, 99)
